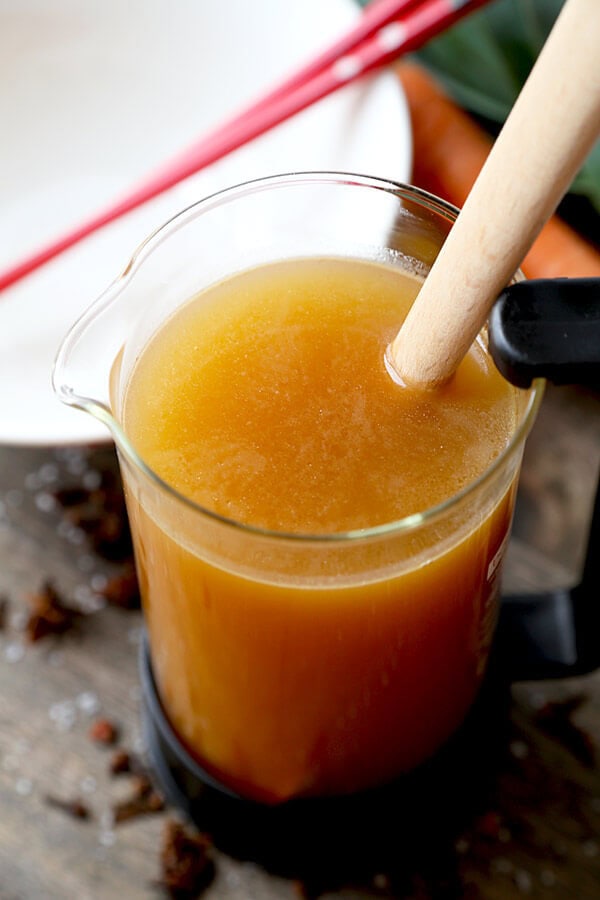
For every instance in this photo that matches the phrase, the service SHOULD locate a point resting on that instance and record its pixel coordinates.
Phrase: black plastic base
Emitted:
(181, 777)
(318, 838)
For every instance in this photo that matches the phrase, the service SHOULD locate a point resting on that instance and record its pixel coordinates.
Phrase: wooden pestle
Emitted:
(548, 134)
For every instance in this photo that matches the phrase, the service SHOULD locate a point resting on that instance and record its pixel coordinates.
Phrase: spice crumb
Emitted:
(144, 800)
(488, 825)
(556, 719)
(123, 762)
(74, 808)
(103, 731)
(122, 590)
(49, 614)
(4, 607)
(186, 859)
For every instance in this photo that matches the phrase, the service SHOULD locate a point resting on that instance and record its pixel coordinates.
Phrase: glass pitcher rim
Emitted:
(110, 295)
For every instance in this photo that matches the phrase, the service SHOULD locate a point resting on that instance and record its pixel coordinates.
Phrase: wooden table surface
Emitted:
(511, 809)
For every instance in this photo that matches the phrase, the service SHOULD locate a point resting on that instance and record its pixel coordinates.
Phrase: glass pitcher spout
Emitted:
(82, 368)
(111, 332)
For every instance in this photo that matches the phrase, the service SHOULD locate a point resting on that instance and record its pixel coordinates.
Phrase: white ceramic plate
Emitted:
(95, 95)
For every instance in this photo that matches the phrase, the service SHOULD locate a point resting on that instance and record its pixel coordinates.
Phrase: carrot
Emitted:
(449, 150)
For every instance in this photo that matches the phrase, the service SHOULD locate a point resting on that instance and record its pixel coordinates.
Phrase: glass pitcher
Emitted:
(291, 665)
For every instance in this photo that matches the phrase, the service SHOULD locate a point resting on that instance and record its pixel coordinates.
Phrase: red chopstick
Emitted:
(387, 29)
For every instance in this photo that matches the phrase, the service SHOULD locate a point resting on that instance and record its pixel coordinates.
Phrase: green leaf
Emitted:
(484, 60)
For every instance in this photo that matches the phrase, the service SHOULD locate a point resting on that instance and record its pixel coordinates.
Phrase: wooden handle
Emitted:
(546, 138)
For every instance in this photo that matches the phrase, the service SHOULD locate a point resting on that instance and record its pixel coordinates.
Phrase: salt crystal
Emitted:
(91, 480)
(82, 593)
(75, 535)
(134, 635)
(23, 786)
(48, 473)
(590, 848)
(63, 714)
(519, 749)
(548, 878)
(502, 865)
(93, 604)
(32, 481)
(14, 652)
(139, 746)
(107, 821)
(107, 838)
(10, 763)
(537, 699)
(45, 502)
(523, 881)
(232, 878)
(88, 703)
(19, 620)
(88, 784)
(76, 465)
(98, 581)
(59, 709)
(85, 562)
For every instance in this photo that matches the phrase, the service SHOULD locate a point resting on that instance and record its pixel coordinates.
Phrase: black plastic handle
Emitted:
(554, 634)
(550, 328)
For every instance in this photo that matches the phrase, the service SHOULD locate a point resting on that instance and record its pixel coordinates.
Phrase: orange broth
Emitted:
(266, 400)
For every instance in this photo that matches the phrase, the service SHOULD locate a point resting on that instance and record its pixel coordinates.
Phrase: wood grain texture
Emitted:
(514, 812)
